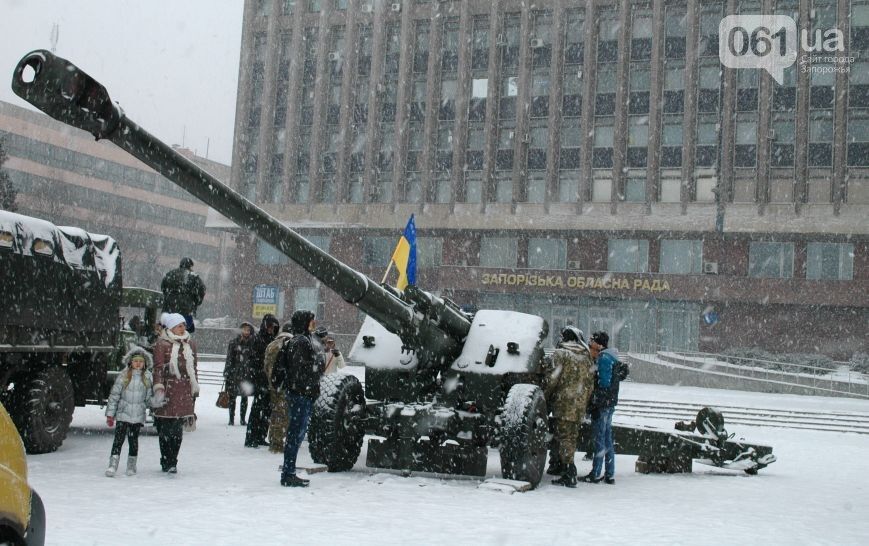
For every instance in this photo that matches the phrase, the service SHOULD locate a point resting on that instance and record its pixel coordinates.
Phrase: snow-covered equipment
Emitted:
(61, 337)
(441, 385)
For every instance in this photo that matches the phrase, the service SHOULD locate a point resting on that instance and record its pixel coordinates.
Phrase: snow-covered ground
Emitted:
(817, 493)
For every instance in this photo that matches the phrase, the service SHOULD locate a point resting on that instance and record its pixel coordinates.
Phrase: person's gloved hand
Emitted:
(110, 421)
(159, 399)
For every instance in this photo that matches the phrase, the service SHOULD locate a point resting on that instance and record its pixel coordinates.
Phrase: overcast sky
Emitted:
(172, 65)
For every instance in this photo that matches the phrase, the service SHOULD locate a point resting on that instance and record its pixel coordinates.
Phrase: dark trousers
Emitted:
(242, 414)
(126, 431)
(258, 423)
(189, 320)
(169, 432)
(299, 413)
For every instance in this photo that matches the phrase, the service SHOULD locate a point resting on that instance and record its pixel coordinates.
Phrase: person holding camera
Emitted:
(334, 358)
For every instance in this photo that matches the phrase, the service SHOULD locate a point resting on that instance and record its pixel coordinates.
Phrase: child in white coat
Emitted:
(128, 402)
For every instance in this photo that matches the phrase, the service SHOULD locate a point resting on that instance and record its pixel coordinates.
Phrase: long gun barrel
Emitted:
(68, 94)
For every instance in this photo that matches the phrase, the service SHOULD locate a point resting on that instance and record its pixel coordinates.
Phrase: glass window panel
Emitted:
(771, 260)
(830, 261)
(681, 256)
(499, 252)
(266, 254)
(628, 256)
(547, 253)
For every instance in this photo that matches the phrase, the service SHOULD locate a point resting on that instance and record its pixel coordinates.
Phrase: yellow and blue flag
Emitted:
(404, 256)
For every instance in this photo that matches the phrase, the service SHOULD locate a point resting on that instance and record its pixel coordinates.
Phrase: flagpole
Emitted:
(386, 273)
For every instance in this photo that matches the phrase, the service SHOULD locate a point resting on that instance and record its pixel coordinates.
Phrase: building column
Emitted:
(432, 96)
(463, 92)
(372, 145)
(315, 169)
(589, 72)
(801, 121)
(342, 168)
(556, 94)
(727, 130)
(242, 102)
(521, 138)
(691, 83)
(297, 62)
(493, 97)
(620, 137)
(840, 146)
(403, 94)
(656, 83)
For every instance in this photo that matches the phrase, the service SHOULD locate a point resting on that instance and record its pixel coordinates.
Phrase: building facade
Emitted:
(64, 176)
(589, 161)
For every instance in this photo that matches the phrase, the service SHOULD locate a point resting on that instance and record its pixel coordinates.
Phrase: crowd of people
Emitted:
(280, 367)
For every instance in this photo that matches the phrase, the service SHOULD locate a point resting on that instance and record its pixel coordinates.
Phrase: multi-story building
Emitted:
(589, 161)
(64, 176)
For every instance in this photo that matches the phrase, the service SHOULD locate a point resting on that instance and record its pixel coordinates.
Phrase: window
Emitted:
(771, 260)
(821, 138)
(681, 257)
(628, 256)
(547, 253)
(498, 252)
(746, 141)
(830, 261)
(783, 137)
(308, 299)
(266, 254)
(377, 251)
(429, 251)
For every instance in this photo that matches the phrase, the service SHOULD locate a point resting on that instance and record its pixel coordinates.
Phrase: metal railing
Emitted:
(815, 377)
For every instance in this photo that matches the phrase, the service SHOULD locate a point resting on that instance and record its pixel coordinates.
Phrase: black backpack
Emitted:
(621, 370)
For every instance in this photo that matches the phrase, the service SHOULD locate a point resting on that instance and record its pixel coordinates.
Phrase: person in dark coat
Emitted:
(239, 355)
(183, 292)
(260, 412)
(301, 382)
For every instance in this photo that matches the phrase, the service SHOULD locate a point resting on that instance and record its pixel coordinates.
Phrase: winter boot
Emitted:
(568, 479)
(591, 478)
(294, 481)
(113, 466)
(131, 466)
(555, 467)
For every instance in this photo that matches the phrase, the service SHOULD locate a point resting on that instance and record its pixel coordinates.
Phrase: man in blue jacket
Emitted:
(603, 403)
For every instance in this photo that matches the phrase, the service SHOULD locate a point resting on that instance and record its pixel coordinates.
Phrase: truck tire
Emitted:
(523, 434)
(44, 407)
(337, 422)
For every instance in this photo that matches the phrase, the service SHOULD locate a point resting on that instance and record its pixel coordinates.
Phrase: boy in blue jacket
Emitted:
(603, 403)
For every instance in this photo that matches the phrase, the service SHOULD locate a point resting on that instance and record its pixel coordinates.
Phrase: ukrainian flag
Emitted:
(404, 256)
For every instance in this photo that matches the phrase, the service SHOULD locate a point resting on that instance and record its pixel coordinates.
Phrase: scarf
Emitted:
(177, 343)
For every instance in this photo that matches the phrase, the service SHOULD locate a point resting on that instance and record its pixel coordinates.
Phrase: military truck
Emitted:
(62, 337)
(442, 386)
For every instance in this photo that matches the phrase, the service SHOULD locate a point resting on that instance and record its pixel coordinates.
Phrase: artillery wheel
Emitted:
(44, 405)
(710, 422)
(336, 432)
(523, 434)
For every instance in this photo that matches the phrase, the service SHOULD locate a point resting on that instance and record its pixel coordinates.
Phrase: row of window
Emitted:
(827, 261)
(540, 84)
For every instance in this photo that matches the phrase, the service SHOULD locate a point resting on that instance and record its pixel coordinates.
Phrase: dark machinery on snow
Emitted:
(441, 386)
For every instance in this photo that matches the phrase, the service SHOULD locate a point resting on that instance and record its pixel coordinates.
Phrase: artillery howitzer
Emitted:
(441, 385)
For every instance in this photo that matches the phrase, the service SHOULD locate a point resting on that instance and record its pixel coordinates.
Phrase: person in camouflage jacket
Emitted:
(569, 389)
(278, 421)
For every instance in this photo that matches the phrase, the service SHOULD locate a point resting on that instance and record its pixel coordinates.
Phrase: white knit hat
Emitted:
(162, 320)
(171, 320)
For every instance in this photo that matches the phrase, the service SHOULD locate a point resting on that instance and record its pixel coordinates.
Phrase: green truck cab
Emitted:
(62, 336)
